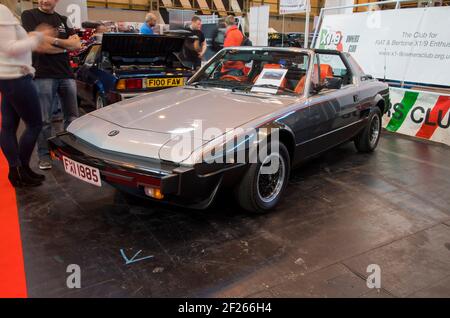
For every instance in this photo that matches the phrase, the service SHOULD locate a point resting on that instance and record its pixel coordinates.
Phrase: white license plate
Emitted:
(81, 171)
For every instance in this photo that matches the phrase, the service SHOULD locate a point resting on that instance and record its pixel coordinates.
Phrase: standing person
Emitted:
(233, 36)
(194, 48)
(19, 98)
(54, 76)
(149, 23)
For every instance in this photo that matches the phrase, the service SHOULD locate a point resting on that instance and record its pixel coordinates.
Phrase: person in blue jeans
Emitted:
(54, 77)
(19, 99)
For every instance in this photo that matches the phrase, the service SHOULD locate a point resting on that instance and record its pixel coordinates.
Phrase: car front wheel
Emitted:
(367, 140)
(264, 182)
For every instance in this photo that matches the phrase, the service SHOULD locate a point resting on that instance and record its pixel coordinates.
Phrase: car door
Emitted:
(334, 113)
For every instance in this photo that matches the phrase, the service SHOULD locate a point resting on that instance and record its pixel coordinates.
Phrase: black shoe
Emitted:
(32, 174)
(19, 178)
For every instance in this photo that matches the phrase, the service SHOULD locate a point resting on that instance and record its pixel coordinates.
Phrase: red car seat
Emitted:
(325, 71)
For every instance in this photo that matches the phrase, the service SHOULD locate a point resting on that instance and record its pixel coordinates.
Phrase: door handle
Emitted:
(355, 98)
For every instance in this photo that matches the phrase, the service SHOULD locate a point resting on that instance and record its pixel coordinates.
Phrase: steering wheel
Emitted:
(233, 78)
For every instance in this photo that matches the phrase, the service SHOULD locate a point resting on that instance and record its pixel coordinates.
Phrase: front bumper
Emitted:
(193, 187)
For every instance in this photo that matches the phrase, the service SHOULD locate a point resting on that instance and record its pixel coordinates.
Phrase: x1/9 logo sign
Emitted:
(331, 40)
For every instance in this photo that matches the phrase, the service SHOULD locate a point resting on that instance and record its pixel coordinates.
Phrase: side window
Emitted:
(92, 56)
(332, 65)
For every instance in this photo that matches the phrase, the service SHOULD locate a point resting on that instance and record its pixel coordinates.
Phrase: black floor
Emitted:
(341, 213)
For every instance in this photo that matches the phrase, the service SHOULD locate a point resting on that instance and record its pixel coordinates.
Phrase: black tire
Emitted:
(367, 140)
(247, 191)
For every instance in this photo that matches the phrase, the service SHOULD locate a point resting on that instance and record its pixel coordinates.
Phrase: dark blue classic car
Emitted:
(127, 65)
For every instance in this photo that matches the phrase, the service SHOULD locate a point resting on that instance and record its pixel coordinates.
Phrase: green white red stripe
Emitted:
(420, 114)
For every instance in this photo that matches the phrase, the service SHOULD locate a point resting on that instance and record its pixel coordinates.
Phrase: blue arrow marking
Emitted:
(133, 259)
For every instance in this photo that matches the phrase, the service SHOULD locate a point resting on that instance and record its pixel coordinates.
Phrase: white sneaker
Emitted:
(45, 165)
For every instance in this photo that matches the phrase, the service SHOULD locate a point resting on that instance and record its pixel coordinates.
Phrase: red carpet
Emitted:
(12, 270)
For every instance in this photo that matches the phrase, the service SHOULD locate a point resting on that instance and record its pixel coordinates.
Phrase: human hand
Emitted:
(74, 37)
(74, 42)
(46, 47)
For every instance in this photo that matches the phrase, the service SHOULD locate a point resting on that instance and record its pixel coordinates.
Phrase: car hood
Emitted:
(151, 125)
(179, 110)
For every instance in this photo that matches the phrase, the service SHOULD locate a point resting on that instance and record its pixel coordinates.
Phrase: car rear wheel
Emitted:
(367, 140)
(259, 191)
(99, 101)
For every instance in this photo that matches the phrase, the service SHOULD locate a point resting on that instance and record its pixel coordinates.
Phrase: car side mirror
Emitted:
(332, 82)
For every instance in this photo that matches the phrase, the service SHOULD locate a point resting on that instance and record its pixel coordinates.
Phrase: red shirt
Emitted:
(233, 37)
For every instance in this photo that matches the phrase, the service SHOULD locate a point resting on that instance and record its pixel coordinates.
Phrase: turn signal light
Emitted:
(121, 84)
(154, 193)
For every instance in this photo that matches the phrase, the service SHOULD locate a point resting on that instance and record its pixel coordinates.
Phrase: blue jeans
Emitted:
(19, 101)
(49, 90)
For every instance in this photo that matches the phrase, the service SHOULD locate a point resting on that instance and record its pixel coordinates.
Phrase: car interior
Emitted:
(245, 68)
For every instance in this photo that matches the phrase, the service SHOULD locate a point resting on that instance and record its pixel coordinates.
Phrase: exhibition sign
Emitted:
(259, 25)
(410, 45)
(419, 114)
(293, 6)
(347, 4)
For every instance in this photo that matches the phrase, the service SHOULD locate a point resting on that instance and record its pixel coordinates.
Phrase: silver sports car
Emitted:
(242, 121)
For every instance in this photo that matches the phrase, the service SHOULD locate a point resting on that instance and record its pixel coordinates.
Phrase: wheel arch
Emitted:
(287, 139)
(98, 88)
(285, 136)
(380, 103)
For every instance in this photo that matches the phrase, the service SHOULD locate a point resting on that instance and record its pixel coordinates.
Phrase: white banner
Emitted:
(75, 10)
(338, 3)
(259, 25)
(419, 114)
(293, 6)
(411, 45)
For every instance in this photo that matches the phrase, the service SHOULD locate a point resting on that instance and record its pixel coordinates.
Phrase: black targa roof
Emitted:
(126, 45)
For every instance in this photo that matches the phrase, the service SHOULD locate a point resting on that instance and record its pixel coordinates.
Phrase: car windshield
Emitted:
(256, 71)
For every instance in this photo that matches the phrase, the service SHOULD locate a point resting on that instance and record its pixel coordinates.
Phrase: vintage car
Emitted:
(126, 65)
(281, 106)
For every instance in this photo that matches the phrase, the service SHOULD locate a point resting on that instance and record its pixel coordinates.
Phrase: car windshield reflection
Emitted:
(256, 71)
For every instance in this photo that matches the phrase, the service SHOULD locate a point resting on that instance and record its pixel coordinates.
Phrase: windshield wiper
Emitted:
(283, 89)
(226, 84)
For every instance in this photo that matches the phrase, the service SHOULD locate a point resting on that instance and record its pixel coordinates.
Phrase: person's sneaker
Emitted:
(45, 165)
